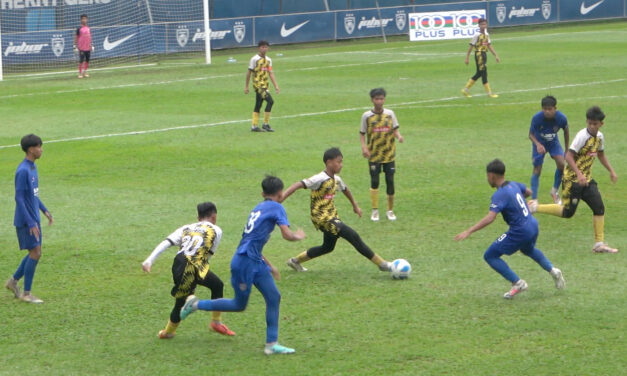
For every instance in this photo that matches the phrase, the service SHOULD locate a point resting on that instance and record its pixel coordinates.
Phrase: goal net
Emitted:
(37, 36)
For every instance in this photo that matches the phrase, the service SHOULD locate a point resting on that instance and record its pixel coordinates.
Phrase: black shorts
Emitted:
(84, 56)
(186, 277)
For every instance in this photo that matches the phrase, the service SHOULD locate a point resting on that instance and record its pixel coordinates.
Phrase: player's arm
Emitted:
(398, 135)
(290, 235)
(247, 81)
(43, 209)
(147, 264)
(468, 53)
(21, 191)
(485, 221)
(570, 159)
(606, 163)
(539, 147)
(273, 269)
(566, 136)
(291, 189)
(276, 86)
(349, 196)
(364, 148)
(527, 192)
(496, 56)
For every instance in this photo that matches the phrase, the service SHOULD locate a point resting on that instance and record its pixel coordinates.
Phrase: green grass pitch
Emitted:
(170, 136)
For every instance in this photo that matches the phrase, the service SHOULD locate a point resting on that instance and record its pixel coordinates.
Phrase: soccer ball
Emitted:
(400, 269)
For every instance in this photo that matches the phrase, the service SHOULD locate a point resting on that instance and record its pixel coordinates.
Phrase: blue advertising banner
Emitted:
(306, 27)
(474, 5)
(366, 23)
(521, 12)
(24, 48)
(190, 36)
(590, 9)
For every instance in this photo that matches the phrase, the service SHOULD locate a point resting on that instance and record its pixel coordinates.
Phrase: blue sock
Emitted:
(535, 185)
(266, 286)
(540, 258)
(19, 273)
(558, 178)
(29, 273)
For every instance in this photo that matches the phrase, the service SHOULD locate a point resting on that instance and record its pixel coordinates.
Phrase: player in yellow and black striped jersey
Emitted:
(378, 134)
(260, 67)
(481, 43)
(324, 213)
(197, 242)
(577, 182)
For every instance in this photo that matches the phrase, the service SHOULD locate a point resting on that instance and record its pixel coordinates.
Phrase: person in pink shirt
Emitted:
(83, 46)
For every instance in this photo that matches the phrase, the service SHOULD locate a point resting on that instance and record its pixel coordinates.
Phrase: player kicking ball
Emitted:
(522, 234)
(249, 267)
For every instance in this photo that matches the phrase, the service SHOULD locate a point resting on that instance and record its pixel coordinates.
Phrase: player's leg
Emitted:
(266, 286)
(328, 245)
(505, 245)
(266, 115)
(537, 160)
(529, 249)
(484, 76)
(215, 284)
(11, 283)
(86, 63)
(175, 320)
(473, 79)
(389, 169)
(258, 102)
(375, 171)
(184, 278)
(355, 240)
(592, 197)
(571, 195)
(557, 153)
(34, 255)
(81, 60)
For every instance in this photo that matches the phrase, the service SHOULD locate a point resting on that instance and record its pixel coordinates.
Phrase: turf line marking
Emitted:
(574, 100)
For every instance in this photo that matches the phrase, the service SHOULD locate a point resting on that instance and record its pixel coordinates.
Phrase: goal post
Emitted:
(205, 6)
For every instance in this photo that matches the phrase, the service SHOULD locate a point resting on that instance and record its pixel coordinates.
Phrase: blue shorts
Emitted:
(553, 148)
(25, 239)
(508, 243)
(245, 272)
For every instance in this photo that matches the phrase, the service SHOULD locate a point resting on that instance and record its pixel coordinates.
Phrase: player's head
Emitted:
(483, 24)
(333, 158)
(594, 119)
(495, 172)
(31, 144)
(263, 47)
(377, 96)
(207, 211)
(272, 187)
(84, 19)
(549, 107)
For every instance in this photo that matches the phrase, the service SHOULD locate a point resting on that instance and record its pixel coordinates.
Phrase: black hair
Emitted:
(496, 167)
(482, 20)
(331, 154)
(84, 15)
(263, 43)
(595, 113)
(30, 140)
(206, 209)
(271, 185)
(377, 92)
(548, 101)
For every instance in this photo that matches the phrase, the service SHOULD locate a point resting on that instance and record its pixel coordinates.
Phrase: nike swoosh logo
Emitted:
(108, 46)
(585, 10)
(287, 32)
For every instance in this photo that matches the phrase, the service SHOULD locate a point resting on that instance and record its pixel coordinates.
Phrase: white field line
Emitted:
(308, 114)
(90, 69)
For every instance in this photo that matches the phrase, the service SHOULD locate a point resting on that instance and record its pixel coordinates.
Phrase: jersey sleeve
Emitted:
(602, 142)
(176, 238)
(78, 31)
(281, 216)
(340, 183)
(252, 63)
(216, 241)
(473, 41)
(395, 124)
(579, 141)
(315, 181)
(497, 203)
(363, 128)
(269, 63)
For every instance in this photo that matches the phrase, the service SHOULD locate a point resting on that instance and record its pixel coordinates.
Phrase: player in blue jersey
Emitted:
(249, 267)
(522, 234)
(27, 219)
(543, 135)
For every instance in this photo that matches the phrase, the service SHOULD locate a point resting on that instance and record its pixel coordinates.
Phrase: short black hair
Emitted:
(595, 113)
(496, 167)
(548, 101)
(331, 154)
(263, 43)
(206, 209)
(30, 140)
(271, 185)
(84, 15)
(482, 20)
(377, 92)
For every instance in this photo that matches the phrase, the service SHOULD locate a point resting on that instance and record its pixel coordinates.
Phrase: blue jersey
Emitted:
(546, 130)
(509, 200)
(261, 222)
(27, 202)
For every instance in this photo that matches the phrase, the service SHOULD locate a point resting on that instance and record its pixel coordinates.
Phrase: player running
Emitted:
(379, 128)
(83, 46)
(522, 234)
(577, 183)
(324, 213)
(197, 243)
(249, 267)
(481, 43)
(543, 135)
(27, 219)
(260, 68)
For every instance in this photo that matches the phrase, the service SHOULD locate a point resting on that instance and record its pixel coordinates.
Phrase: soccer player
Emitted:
(83, 46)
(522, 234)
(543, 135)
(260, 68)
(481, 43)
(324, 213)
(249, 267)
(380, 127)
(27, 219)
(197, 242)
(577, 183)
